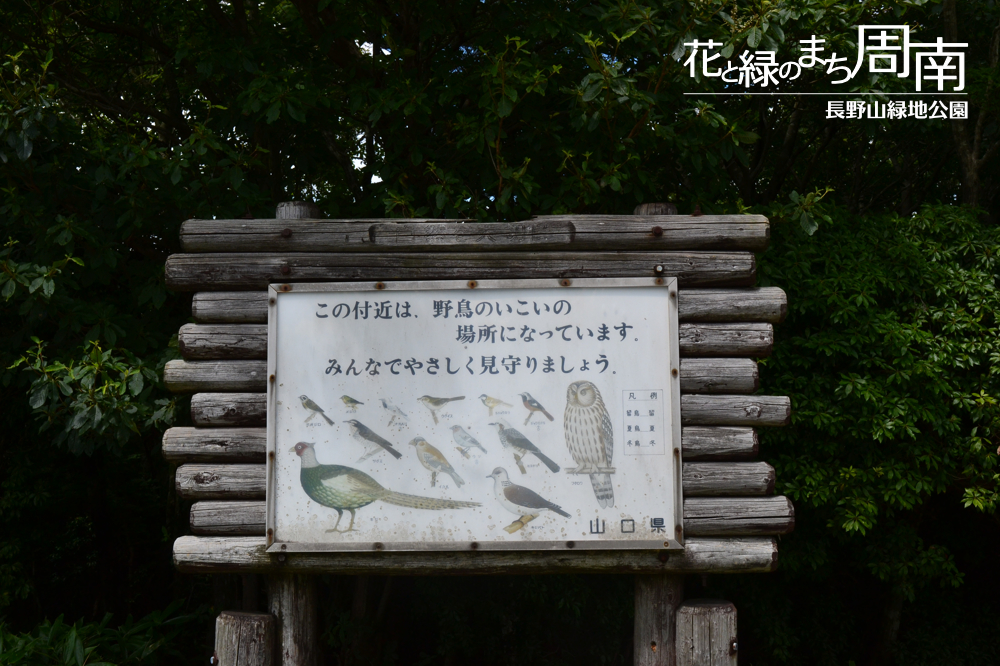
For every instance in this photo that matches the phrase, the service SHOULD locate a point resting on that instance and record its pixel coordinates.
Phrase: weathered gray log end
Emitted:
(245, 639)
(293, 602)
(656, 600)
(297, 210)
(706, 633)
(655, 209)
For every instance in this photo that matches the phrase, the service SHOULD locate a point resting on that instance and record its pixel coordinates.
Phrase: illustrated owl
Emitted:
(590, 438)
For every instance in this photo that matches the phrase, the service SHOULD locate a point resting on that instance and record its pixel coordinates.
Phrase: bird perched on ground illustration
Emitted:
(346, 489)
(351, 403)
(434, 404)
(522, 502)
(435, 461)
(590, 438)
(373, 443)
(394, 411)
(533, 406)
(314, 408)
(521, 446)
(465, 441)
(492, 403)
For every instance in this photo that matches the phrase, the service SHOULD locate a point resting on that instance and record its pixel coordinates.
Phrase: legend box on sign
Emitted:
(643, 412)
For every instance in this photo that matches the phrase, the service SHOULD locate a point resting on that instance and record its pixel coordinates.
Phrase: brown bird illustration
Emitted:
(434, 404)
(590, 438)
(493, 403)
(533, 406)
(308, 403)
(434, 460)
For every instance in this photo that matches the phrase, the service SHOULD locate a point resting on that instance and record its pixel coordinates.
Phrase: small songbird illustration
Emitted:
(465, 441)
(522, 502)
(590, 438)
(372, 442)
(351, 403)
(347, 489)
(492, 403)
(434, 404)
(521, 446)
(314, 408)
(393, 410)
(434, 461)
(533, 406)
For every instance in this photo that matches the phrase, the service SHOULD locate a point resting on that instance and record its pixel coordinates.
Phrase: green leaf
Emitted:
(593, 91)
(504, 107)
(754, 37)
(135, 383)
(236, 178)
(8, 289)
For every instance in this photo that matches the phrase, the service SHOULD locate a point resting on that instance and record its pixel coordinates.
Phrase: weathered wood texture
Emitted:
(703, 516)
(698, 375)
(656, 600)
(224, 271)
(736, 410)
(767, 304)
(293, 603)
(737, 516)
(294, 210)
(229, 409)
(224, 481)
(706, 633)
(249, 409)
(245, 639)
(764, 304)
(183, 444)
(249, 341)
(718, 442)
(655, 208)
(700, 555)
(218, 481)
(715, 479)
(577, 232)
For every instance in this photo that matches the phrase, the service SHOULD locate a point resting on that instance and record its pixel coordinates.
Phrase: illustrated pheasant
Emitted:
(347, 489)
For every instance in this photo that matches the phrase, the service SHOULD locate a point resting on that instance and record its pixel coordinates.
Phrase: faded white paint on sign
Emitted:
(510, 415)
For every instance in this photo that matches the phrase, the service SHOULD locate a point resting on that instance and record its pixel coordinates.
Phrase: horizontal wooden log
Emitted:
(764, 304)
(193, 554)
(218, 272)
(703, 516)
(228, 409)
(249, 341)
(718, 443)
(215, 444)
(208, 481)
(697, 375)
(725, 516)
(602, 232)
(184, 444)
(736, 410)
(767, 304)
(227, 481)
(727, 479)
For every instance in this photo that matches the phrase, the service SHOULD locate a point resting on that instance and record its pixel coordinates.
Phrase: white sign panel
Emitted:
(530, 414)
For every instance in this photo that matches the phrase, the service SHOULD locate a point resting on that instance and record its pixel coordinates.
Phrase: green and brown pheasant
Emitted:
(347, 489)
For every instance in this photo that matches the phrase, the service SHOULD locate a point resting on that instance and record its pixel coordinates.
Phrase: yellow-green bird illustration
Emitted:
(493, 403)
(314, 408)
(434, 461)
(434, 404)
(347, 489)
(351, 403)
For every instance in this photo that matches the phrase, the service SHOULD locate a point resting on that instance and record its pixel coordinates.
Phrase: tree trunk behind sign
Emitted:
(656, 599)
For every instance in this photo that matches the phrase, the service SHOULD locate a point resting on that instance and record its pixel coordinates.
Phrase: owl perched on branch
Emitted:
(590, 438)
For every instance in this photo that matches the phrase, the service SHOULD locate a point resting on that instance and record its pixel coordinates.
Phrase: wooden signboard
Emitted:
(729, 516)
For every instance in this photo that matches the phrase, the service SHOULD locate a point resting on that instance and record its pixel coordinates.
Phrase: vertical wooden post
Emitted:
(293, 603)
(706, 633)
(657, 597)
(297, 210)
(244, 639)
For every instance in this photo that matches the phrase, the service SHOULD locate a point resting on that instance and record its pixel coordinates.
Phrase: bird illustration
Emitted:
(590, 438)
(434, 404)
(372, 442)
(351, 403)
(522, 502)
(465, 441)
(521, 446)
(533, 406)
(347, 489)
(395, 411)
(314, 408)
(435, 461)
(493, 403)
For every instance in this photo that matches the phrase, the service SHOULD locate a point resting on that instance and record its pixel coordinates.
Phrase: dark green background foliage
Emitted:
(118, 120)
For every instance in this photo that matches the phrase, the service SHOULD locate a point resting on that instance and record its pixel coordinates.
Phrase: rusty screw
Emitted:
(565, 283)
(663, 556)
(657, 231)
(472, 284)
(285, 270)
(286, 233)
(474, 545)
(380, 285)
(571, 544)
(378, 545)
